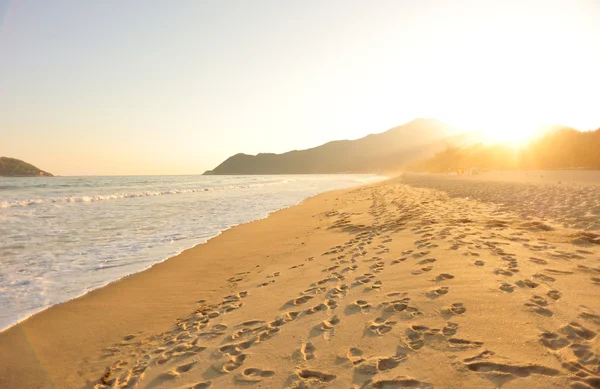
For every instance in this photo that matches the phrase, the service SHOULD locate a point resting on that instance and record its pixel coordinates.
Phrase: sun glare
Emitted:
(513, 133)
(508, 128)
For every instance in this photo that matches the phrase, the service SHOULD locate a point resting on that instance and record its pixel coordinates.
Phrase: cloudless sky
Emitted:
(175, 87)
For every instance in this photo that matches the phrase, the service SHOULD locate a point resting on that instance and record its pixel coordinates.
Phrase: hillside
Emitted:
(11, 167)
(563, 148)
(374, 153)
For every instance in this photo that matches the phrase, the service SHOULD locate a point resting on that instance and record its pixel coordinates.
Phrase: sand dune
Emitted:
(383, 286)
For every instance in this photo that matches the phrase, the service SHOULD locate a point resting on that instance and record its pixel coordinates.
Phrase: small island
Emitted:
(11, 167)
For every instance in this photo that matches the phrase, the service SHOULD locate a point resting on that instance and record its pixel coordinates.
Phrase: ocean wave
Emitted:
(118, 196)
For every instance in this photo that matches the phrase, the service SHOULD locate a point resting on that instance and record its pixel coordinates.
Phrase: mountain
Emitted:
(374, 153)
(11, 167)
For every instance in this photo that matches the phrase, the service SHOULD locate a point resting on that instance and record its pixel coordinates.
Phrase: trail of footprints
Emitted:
(573, 344)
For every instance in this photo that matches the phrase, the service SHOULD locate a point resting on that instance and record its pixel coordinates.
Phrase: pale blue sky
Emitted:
(128, 87)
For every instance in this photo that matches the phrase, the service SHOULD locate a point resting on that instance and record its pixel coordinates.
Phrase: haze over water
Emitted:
(68, 235)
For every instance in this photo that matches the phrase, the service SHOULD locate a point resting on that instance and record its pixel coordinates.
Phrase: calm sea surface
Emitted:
(61, 237)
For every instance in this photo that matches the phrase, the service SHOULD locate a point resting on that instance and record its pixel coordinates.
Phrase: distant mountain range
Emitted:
(375, 153)
(11, 167)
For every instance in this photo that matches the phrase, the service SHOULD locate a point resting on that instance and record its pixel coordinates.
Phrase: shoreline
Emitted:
(7, 336)
(153, 259)
(154, 264)
(374, 286)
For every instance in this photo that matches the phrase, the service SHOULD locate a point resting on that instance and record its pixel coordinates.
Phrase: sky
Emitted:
(175, 87)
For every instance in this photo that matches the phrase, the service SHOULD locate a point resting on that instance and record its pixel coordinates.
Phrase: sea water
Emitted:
(61, 237)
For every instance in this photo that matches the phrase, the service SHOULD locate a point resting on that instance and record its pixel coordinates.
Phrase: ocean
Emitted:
(64, 236)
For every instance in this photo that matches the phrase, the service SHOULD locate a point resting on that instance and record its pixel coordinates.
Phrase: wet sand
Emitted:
(384, 286)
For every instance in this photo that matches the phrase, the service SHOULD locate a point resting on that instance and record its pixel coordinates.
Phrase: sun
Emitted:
(515, 133)
(509, 128)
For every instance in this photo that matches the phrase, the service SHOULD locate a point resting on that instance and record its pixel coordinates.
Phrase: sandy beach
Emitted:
(415, 282)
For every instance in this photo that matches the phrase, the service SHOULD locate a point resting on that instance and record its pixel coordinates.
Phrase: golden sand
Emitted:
(382, 286)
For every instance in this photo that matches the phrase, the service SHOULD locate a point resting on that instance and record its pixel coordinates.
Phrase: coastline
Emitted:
(28, 349)
(157, 219)
(156, 263)
(385, 285)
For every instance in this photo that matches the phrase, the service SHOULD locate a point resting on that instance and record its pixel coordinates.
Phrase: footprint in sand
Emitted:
(421, 270)
(251, 323)
(585, 269)
(553, 341)
(349, 268)
(322, 307)
(169, 375)
(538, 305)
(377, 267)
(538, 261)
(308, 351)
(398, 383)
(337, 292)
(450, 329)
(236, 349)
(503, 272)
(576, 331)
(185, 368)
(254, 375)
(420, 254)
(329, 324)
(454, 309)
(243, 332)
(330, 269)
(199, 385)
(364, 279)
(426, 261)
(358, 306)
(443, 277)
(375, 286)
(314, 290)
(315, 376)
(433, 294)
(481, 356)
(458, 343)
(230, 365)
(554, 294)
(506, 287)
(267, 334)
(397, 261)
(299, 300)
(543, 277)
(381, 326)
(355, 355)
(513, 370)
(396, 305)
(527, 284)
(291, 316)
(376, 365)
(415, 339)
(590, 317)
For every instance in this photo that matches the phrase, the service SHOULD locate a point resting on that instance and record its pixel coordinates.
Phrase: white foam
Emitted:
(74, 240)
(117, 196)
